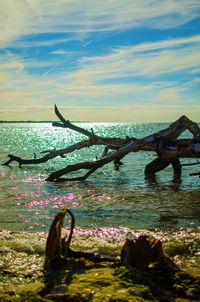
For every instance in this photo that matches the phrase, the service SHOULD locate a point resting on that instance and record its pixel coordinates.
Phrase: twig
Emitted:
(191, 164)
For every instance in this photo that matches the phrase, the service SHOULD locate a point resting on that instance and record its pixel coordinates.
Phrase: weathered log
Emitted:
(167, 155)
(157, 165)
(163, 142)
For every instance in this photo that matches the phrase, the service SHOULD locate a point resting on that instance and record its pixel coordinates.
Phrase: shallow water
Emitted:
(109, 198)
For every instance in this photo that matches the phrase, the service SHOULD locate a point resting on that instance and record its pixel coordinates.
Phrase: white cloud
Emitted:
(87, 85)
(104, 15)
(153, 59)
(59, 52)
(46, 42)
(13, 20)
(20, 17)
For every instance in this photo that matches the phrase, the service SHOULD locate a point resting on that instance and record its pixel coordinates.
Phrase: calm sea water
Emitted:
(109, 198)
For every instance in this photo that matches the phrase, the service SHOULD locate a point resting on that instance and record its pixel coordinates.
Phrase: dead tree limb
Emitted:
(166, 155)
(195, 174)
(67, 124)
(50, 154)
(164, 142)
(112, 143)
(191, 164)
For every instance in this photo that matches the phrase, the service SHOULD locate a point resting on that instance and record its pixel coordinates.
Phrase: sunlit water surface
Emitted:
(119, 199)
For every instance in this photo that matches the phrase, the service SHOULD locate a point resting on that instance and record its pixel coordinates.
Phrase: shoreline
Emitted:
(22, 257)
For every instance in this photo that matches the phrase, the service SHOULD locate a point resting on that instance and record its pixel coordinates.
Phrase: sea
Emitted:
(112, 202)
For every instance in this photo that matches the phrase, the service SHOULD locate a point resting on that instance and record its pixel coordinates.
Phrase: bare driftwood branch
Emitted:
(167, 156)
(57, 247)
(195, 173)
(112, 143)
(67, 124)
(164, 142)
(191, 164)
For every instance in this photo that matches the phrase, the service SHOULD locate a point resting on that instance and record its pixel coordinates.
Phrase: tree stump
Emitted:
(143, 252)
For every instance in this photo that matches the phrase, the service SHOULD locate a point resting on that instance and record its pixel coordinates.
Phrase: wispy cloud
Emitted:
(59, 52)
(13, 21)
(36, 42)
(50, 58)
(151, 59)
(91, 74)
(142, 72)
(20, 18)
(87, 43)
(77, 89)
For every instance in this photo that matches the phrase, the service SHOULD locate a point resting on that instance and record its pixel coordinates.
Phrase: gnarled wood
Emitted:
(58, 249)
(67, 124)
(143, 252)
(164, 142)
(142, 264)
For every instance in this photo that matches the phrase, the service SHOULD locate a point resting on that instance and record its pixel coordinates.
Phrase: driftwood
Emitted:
(137, 253)
(164, 143)
(142, 261)
(58, 249)
(144, 251)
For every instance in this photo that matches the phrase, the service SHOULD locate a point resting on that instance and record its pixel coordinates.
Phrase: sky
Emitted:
(100, 60)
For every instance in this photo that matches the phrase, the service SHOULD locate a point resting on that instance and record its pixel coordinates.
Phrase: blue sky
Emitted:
(100, 60)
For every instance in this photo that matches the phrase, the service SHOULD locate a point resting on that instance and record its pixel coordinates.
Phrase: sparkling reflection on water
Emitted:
(121, 199)
(108, 197)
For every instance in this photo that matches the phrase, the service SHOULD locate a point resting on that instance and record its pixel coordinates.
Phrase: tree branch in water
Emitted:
(164, 142)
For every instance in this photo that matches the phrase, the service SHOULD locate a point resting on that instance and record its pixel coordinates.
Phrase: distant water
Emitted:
(108, 198)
